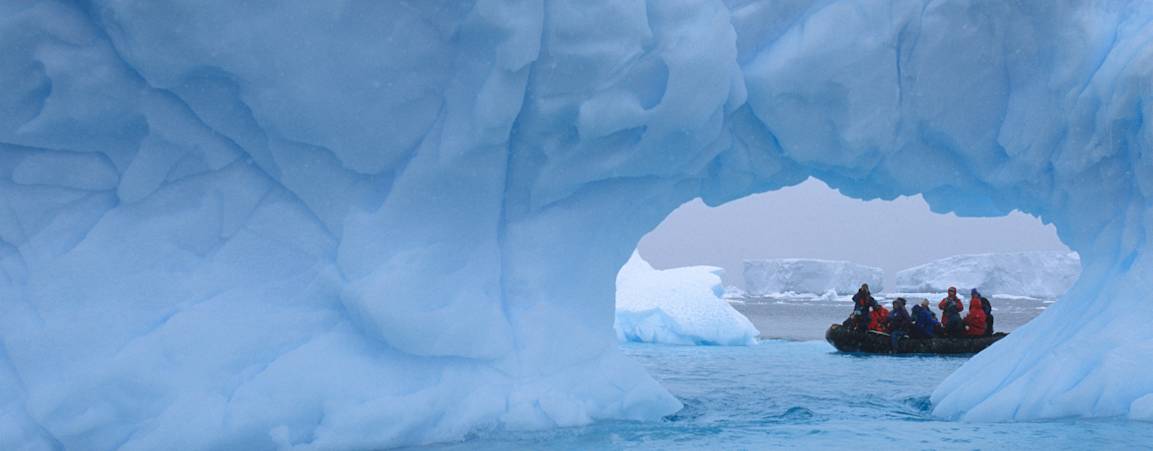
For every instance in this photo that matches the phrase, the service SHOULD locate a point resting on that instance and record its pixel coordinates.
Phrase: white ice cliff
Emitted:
(1046, 274)
(362, 224)
(680, 306)
(808, 275)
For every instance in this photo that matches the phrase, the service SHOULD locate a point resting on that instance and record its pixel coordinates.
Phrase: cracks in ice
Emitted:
(98, 26)
(1108, 50)
(18, 222)
(43, 96)
(21, 388)
(12, 252)
(83, 196)
(192, 114)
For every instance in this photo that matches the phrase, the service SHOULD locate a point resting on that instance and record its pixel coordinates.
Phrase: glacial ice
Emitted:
(1142, 409)
(1042, 274)
(732, 292)
(682, 306)
(367, 224)
(831, 295)
(809, 276)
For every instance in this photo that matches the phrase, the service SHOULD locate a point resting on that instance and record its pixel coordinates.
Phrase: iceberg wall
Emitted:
(1045, 274)
(806, 275)
(368, 224)
(680, 306)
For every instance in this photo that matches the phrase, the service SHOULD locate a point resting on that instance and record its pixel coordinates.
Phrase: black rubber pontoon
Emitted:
(847, 340)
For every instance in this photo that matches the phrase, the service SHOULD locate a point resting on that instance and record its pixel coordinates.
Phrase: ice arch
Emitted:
(356, 224)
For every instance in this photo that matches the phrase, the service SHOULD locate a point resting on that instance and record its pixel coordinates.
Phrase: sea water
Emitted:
(800, 393)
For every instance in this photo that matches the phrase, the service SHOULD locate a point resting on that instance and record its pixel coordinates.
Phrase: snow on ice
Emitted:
(732, 292)
(401, 222)
(683, 306)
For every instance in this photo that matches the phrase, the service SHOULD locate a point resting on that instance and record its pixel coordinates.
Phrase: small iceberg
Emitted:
(683, 306)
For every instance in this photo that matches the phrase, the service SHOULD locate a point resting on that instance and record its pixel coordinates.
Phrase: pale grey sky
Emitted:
(811, 220)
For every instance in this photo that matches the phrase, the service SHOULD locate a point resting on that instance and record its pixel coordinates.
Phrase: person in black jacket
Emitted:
(862, 302)
(899, 323)
(988, 307)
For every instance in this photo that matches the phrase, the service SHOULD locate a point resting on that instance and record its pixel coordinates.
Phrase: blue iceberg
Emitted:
(367, 224)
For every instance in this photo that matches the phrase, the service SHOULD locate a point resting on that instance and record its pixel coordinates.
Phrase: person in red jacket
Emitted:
(975, 324)
(879, 319)
(951, 308)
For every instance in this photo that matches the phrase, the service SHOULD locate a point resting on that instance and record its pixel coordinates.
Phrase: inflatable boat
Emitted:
(873, 342)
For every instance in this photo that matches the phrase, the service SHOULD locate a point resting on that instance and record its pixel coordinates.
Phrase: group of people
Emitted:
(868, 314)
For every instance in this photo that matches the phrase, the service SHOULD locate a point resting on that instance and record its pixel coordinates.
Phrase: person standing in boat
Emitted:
(988, 307)
(975, 321)
(925, 323)
(862, 302)
(899, 323)
(951, 308)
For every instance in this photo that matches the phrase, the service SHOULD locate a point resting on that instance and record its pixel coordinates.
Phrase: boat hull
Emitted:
(847, 340)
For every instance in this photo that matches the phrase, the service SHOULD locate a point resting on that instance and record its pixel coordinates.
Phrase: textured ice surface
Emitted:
(1036, 274)
(832, 295)
(362, 224)
(1142, 409)
(732, 292)
(809, 276)
(683, 306)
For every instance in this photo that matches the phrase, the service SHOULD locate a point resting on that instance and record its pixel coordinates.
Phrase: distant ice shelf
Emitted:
(1044, 275)
(809, 276)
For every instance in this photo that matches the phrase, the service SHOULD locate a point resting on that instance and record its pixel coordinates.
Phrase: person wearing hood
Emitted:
(862, 302)
(924, 322)
(951, 308)
(879, 319)
(899, 323)
(975, 321)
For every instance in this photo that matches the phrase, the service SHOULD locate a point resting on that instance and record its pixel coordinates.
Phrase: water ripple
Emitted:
(784, 394)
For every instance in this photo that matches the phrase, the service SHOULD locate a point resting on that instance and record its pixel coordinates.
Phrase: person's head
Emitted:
(864, 288)
(952, 292)
(975, 294)
(900, 302)
(925, 303)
